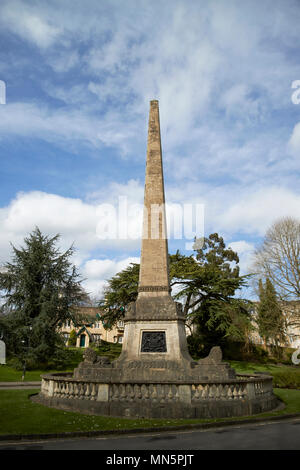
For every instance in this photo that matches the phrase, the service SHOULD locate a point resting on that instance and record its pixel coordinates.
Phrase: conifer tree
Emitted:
(41, 291)
(270, 319)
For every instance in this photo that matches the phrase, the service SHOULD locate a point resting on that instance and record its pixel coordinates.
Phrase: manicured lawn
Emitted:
(284, 376)
(9, 374)
(250, 367)
(19, 415)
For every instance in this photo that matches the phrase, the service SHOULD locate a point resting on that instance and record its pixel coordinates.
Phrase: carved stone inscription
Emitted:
(154, 341)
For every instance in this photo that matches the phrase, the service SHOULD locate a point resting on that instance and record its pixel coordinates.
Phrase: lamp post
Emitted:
(26, 354)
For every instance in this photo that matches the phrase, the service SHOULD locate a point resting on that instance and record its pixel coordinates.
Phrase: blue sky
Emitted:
(79, 78)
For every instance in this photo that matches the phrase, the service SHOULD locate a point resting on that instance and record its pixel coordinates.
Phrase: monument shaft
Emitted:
(154, 270)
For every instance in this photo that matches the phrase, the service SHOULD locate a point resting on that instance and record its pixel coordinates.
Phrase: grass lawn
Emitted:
(9, 374)
(284, 376)
(18, 415)
(250, 367)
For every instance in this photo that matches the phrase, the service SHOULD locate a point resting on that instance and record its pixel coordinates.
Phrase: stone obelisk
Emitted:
(154, 271)
(154, 338)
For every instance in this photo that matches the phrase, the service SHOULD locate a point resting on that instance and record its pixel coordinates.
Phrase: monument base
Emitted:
(245, 395)
(157, 388)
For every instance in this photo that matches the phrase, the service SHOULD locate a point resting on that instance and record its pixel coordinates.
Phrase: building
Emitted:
(89, 328)
(291, 312)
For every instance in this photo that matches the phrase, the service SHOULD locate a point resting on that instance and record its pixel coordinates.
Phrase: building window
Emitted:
(96, 338)
(66, 337)
(120, 339)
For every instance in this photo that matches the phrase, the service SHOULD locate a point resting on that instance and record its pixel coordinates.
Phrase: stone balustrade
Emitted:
(243, 387)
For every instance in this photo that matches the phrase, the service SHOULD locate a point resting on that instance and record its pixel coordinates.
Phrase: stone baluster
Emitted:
(218, 392)
(154, 396)
(137, 392)
(76, 390)
(236, 392)
(87, 392)
(211, 392)
(81, 390)
(224, 391)
(169, 393)
(230, 392)
(56, 389)
(93, 392)
(145, 392)
(129, 393)
(161, 393)
(71, 390)
(195, 392)
(64, 389)
(175, 393)
(115, 392)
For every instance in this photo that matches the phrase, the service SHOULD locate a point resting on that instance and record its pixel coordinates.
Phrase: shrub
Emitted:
(72, 338)
(289, 378)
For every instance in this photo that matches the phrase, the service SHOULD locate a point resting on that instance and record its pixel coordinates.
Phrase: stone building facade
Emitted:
(89, 328)
(291, 312)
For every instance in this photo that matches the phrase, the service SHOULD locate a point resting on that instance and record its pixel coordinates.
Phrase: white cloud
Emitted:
(74, 219)
(26, 22)
(76, 222)
(234, 208)
(65, 126)
(254, 211)
(245, 252)
(99, 271)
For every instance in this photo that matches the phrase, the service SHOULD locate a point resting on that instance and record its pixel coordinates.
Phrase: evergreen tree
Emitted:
(41, 291)
(270, 318)
(72, 338)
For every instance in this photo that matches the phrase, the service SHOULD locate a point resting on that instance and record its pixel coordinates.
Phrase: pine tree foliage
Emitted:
(270, 318)
(41, 289)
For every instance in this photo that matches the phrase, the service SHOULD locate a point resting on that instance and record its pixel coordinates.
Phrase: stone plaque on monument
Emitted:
(154, 341)
(2, 352)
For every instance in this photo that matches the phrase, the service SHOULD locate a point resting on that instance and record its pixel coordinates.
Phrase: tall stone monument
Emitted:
(155, 344)
(155, 376)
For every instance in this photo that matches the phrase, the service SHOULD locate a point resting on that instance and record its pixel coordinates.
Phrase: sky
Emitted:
(76, 81)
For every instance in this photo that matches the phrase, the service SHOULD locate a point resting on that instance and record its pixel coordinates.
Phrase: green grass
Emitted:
(19, 415)
(9, 374)
(284, 376)
(250, 367)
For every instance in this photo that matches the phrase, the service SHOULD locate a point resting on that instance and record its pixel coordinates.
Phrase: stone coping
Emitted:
(20, 384)
(240, 378)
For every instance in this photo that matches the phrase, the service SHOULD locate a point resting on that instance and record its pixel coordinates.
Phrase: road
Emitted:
(281, 435)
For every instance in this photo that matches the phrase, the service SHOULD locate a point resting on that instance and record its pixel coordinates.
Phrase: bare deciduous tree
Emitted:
(278, 258)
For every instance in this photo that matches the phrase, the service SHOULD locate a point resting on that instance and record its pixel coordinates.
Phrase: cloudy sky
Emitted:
(79, 77)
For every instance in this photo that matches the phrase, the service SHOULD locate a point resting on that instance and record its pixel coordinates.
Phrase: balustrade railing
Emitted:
(241, 388)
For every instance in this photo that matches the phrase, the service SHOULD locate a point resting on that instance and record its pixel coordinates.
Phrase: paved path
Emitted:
(18, 385)
(281, 435)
